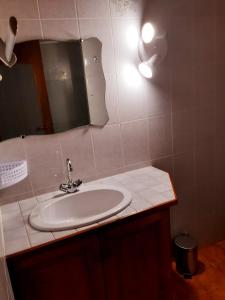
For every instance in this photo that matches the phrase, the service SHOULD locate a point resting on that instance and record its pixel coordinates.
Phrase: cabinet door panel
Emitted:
(68, 270)
(133, 266)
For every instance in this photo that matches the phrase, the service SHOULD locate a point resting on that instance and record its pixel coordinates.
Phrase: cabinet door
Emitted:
(69, 269)
(135, 265)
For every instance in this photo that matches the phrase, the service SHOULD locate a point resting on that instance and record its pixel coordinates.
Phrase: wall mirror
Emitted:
(54, 86)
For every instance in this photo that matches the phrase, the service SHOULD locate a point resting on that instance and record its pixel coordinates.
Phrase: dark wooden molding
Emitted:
(30, 53)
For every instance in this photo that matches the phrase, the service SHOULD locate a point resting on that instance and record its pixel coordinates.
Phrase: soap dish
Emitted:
(12, 173)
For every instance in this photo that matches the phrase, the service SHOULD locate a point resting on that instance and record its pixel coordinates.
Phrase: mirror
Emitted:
(55, 86)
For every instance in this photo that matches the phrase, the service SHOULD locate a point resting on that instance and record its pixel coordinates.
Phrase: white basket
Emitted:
(12, 173)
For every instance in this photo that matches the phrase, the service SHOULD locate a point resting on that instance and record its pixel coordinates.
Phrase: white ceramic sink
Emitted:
(91, 204)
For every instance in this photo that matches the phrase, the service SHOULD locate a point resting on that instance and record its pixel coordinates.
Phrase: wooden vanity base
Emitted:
(129, 259)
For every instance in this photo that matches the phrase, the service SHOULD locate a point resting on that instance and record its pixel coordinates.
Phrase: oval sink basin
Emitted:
(91, 204)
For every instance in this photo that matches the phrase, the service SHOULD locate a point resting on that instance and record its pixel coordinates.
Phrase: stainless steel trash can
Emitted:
(186, 255)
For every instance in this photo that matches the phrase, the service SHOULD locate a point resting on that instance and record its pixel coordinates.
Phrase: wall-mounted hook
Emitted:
(6, 49)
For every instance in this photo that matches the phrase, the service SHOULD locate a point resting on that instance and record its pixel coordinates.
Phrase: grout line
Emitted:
(39, 15)
(93, 150)
(27, 159)
(148, 139)
(21, 215)
(172, 128)
(164, 156)
(2, 232)
(117, 90)
(122, 146)
(146, 118)
(62, 161)
(64, 19)
(76, 15)
(45, 19)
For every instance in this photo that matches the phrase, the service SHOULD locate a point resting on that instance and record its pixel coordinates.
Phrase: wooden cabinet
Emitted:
(66, 271)
(128, 259)
(133, 263)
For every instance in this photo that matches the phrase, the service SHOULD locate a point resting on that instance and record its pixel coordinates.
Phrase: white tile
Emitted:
(40, 238)
(126, 212)
(64, 233)
(93, 182)
(156, 172)
(126, 8)
(28, 227)
(169, 195)
(121, 177)
(126, 180)
(151, 171)
(107, 180)
(165, 178)
(15, 234)
(16, 245)
(27, 205)
(159, 200)
(93, 9)
(141, 171)
(45, 197)
(133, 186)
(12, 220)
(10, 208)
(147, 178)
(140, 204)
(163, 187)
(138, 182)
(151, 195)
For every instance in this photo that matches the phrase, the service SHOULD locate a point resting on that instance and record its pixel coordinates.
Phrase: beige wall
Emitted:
(175, 121)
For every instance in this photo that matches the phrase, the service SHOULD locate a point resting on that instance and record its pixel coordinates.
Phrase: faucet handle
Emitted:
(63, 187)
(77, 182)
(71, 187)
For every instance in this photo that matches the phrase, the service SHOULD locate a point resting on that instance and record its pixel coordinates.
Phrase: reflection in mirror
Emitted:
(55, 86)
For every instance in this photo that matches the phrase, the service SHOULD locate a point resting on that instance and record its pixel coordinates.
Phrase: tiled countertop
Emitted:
(150, 187)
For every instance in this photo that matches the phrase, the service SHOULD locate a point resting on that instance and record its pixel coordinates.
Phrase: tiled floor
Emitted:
(209, 283)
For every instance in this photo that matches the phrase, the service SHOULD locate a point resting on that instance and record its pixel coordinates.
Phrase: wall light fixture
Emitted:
(152, 49)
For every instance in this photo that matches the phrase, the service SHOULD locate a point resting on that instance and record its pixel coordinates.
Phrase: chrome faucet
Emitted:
(71, 186)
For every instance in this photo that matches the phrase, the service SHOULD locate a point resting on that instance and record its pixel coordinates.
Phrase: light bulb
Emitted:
(148, 33)
(145, 70)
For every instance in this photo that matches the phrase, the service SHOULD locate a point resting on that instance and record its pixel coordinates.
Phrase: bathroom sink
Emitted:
(91, 204)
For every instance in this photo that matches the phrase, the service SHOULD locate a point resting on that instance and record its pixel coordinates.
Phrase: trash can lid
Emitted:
(185, 241)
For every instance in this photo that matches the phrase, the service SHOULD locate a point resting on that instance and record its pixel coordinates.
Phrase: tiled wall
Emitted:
(197, 57)
(175, 121)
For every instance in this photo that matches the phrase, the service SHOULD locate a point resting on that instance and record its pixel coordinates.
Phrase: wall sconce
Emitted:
(6, 49)
(152, 49)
